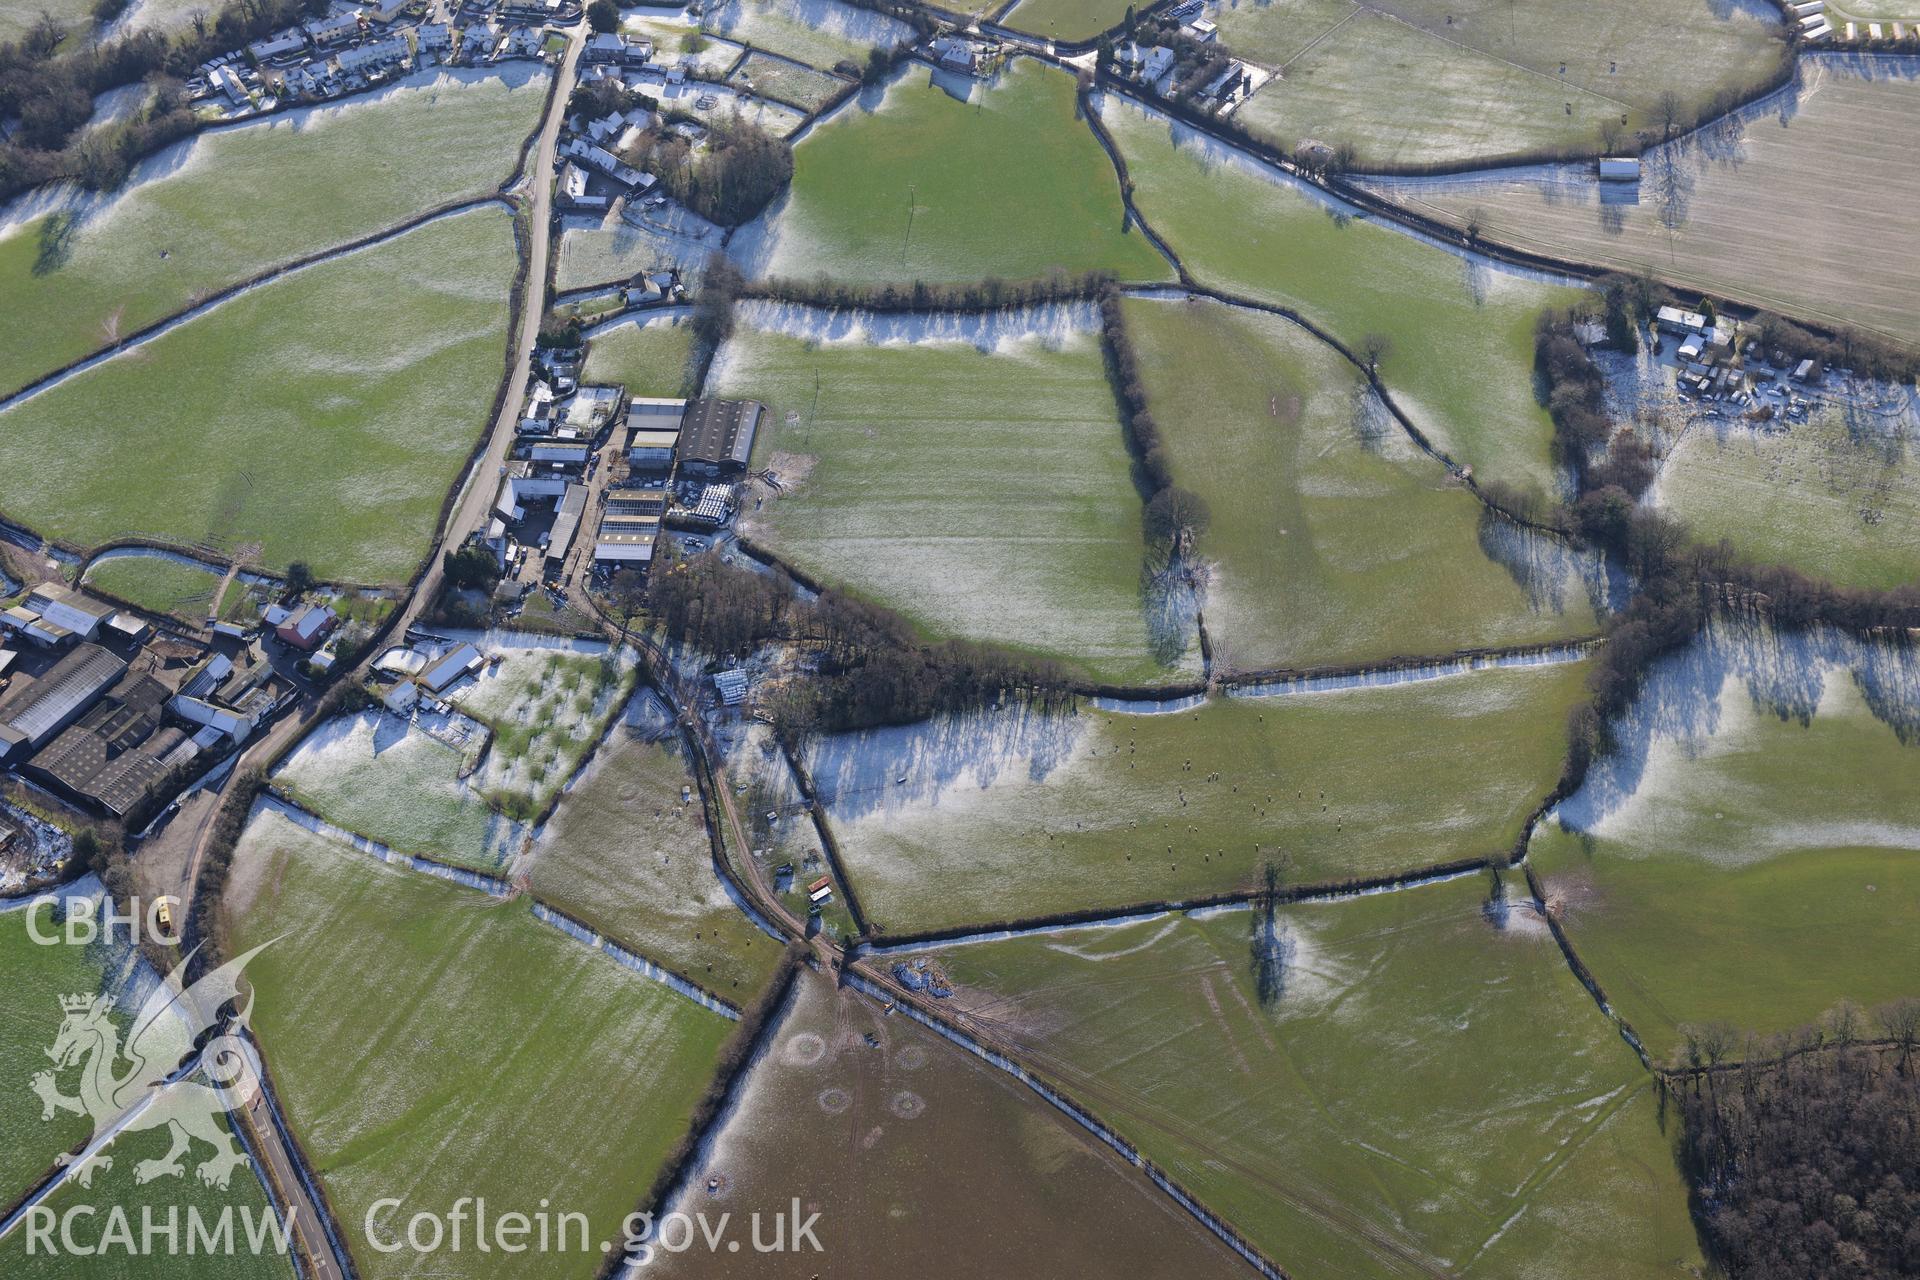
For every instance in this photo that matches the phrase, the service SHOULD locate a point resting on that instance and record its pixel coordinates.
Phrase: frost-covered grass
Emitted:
(1722, 211)
(818, 32)
(1014, 814)
(1398, 1084)
(157, 583)
(778, 78)
(1750, 852)
(323, 416)
(648, 356)
(1420, 81)
(971, 474)
(547, 710)
(778, 826)
(610, 249)
(429, 1043)
(224, 206)
(17, 17)
(626, 855)
(679, 35)
(1002, 181)
(1427, 100)
(1837, 496)
(1297, 459)
(373, 774)
(717, 103)
(1460, 330)
(957, 1161)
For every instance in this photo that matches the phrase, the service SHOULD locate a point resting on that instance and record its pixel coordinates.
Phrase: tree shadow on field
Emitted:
(56, 242)
(1270, 948)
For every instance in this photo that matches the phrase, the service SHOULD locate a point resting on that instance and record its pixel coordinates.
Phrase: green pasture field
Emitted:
(485, 1030)
(254, 1254)
(1009, 511)
(1837, 496)
(1721, 211)
(1459, 332)
(1410, 82)
(30, 1014)
(1748, 856)
(650, 357)
(374, 776)
(1012, 814)
(1067, 19)
(777, 78)
(323, 417)
(231, 203)
(627, 856)
(1403, 1084)
(1296, 460)
(818, 32)
(962, 1168)
(157, 584)
(1007, 184)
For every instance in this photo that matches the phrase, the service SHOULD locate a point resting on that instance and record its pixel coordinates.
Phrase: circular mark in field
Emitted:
(717, 1183)
(834, 1101)
(907, 1105)
(911, 1058)
(804, 1049)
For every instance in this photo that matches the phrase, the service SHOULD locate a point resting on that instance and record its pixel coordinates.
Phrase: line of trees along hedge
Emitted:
(871, 668)
(51, 93)
(990, 294)
(205, 933)
(1809, 1166)
(1174, 516)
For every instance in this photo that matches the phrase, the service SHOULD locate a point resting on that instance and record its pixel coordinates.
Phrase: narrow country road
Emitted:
(475, 501)
(469, 512)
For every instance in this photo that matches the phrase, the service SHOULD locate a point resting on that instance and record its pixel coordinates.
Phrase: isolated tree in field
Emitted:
(1668, 112)
(45, 36)
(1476, 223)
(603, 16)
(629, 596)
(1177, 516)
(1374, 348)
(1609, 135)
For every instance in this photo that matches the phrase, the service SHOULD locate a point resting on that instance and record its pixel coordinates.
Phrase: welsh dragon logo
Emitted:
(159, 1085)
